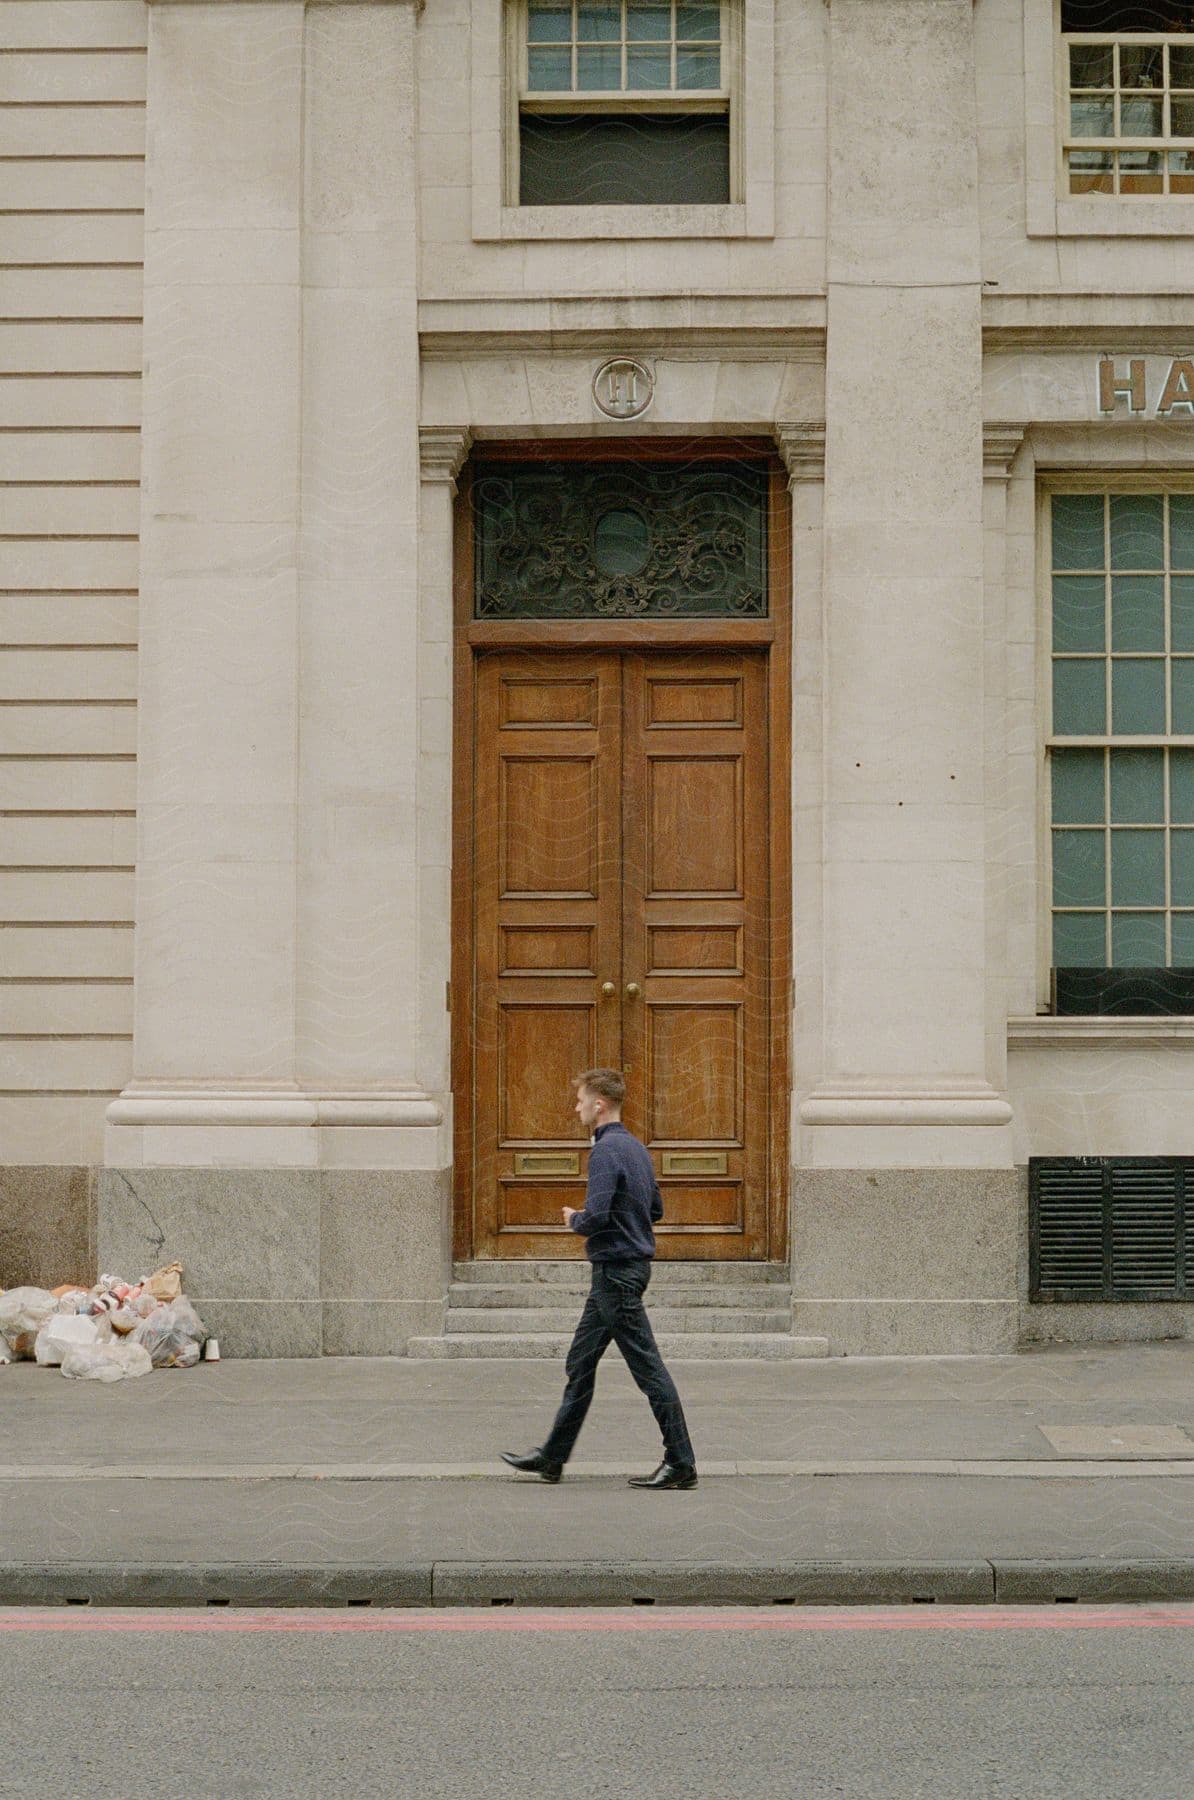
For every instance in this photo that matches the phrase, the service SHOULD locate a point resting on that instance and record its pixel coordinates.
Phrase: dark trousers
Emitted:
(614, 1312)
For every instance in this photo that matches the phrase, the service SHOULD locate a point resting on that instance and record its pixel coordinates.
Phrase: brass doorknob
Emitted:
(633, 989)
(608, 988)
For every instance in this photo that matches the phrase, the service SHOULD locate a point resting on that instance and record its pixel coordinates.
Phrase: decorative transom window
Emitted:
(621, 540)
(1121, 750)
(1129, 72)
(622, 102)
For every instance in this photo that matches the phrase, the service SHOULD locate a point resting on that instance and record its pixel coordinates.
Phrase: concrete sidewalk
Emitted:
(1063, 1473)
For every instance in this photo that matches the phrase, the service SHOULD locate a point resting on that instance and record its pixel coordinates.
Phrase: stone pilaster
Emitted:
(905, 1078)
(358, 1000)
(278, 982)
(442, 456)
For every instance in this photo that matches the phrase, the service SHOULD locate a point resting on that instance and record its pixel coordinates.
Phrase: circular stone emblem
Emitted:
(623, 388)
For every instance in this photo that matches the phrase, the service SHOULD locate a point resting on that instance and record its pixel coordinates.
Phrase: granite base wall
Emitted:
(934, 1262)
(907, 1262)
(290, 1262)
(298, 1262)
(47, 1225)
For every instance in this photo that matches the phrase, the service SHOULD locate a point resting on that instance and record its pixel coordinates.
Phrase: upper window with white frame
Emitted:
(622, 103)
(1129, 76)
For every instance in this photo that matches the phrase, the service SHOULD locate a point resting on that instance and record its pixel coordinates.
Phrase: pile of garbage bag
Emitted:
(109, 1332)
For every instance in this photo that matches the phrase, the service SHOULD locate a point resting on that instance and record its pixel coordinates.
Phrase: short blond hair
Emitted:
(610, 1084)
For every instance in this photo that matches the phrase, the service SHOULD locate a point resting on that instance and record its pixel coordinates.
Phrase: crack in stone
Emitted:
(159, 1243)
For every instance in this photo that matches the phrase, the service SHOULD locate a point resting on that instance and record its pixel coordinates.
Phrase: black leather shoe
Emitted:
(534, 1463)
(667, 1475)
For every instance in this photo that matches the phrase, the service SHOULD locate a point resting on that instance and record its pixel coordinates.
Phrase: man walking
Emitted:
(622, 1202)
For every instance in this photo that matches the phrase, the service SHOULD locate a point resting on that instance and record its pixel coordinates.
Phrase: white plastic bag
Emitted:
(59, 1333)
(173, 1334)
(105, 1362)
(23, 1312)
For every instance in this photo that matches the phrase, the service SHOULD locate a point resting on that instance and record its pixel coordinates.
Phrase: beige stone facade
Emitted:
(265, 290)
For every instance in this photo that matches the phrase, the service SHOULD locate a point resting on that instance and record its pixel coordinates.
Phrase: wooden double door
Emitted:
(621, 917)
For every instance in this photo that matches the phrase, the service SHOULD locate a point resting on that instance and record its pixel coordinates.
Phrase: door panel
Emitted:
(621, 919)
(547, 911)
(696, 942)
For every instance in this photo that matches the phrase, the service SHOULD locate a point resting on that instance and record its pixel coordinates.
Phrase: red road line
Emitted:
(939, 1618)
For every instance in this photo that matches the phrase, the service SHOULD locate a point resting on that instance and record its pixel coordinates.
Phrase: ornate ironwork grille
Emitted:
(621, 540)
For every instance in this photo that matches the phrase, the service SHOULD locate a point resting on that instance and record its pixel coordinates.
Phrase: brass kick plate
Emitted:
(547, 1162)
(695, 1162)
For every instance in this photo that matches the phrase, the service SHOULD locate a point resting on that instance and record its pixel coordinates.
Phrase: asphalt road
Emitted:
(433, 1706)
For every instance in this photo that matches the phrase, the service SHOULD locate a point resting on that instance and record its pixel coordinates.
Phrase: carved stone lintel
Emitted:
(802, 446)
(1001, 440)
(442, 452)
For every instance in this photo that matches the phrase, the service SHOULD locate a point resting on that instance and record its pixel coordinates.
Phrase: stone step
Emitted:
(571, 1270)
(475, 1297)
(521, 1319)
(710, 1346)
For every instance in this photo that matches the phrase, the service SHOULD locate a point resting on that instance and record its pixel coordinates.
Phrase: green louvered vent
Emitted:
(1067, 1230)
(1146, 1207)
(1111, 1228)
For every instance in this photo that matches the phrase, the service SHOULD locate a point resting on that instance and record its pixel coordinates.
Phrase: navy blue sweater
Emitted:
(622, 1200)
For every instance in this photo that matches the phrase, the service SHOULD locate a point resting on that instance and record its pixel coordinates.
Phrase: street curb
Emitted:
(837, 1583)
(215, 1584)
(1018, 1581)
(458, 1583)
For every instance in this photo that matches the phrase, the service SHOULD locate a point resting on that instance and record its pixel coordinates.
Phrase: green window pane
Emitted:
(1079, 868)
(1137, 696)
(550, 24)
(648, 23)
(700, 22)
(1079, 699)
(1138, 868)
(1078, 531)
(1137, 612)
(598, 23)
(1139, 172)
(1182, 670)
(1091, 171)
(1181, 787)
(1181, 867)
(1093, 116)
(1137, 787)
(1137, 539)
(1091, 66)
(549, 71)
(1138, 940)
(698, 68)
(1079, 608)
(1181, 531)
(648, 68)
(1181, 66)
(598, 69)
(1141, 66)
(1080, 940)
(1181, 931)
(1139, 118)
(1077, 787)
(1181, 612)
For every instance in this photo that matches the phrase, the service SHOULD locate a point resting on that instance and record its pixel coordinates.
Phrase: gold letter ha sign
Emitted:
(1128, 385)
